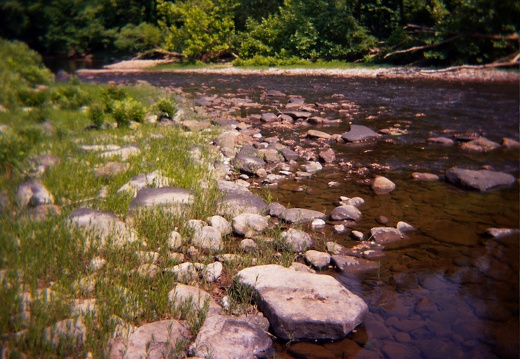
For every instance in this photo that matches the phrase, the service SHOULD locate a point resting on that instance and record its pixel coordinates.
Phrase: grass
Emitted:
(46, 266)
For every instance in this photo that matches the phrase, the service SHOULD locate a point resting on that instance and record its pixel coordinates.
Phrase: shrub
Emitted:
(70, 96)
(128, 110)
(165, 107)
(111, 94)
(96, 114)
(132, 39)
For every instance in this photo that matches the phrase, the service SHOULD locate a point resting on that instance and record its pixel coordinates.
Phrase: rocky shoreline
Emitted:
(408, 73)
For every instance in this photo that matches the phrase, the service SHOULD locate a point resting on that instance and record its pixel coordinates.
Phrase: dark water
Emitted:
(449, 292)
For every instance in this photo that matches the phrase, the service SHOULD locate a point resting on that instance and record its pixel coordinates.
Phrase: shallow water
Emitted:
(448, 292)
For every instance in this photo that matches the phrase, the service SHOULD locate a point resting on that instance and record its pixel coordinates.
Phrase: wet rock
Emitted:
(312, 167)
(340, 228)
(224, 336)
(357, 235)
(276, 209)
(304, 306)
(301, 215)
(153, 340)
(297, 240)
(441, 141)
(310, 351)
(349, 264)
(167, 197)
(221, 224)
(248, 164)
(289, 154)
(318, 134)
(480, 145)
(405, 281)
(425, 176)
(400, 350)
(33, 194)
(382, 220)
(298, 114)
(481, 180)
(405, 227)
(317, 259)
(502, 232)
(347, 212)
(382, 185)
(102, 226)
(239, 200)
(111, 169)
(386, 235)
(209, 239)
(327, 156)
(249, 224)
(359, 133)
(124, 152)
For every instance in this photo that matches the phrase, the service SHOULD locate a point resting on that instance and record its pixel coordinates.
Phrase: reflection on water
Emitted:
(449, 292)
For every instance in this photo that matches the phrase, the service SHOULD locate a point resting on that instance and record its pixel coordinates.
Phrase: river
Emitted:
(449, 292)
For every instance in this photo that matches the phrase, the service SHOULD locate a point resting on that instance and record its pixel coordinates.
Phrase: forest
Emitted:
(397, 32)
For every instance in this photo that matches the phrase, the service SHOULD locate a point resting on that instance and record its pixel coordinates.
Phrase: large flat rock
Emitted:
(481, 180)
(359, 133)
(238, 200)
(304, 306)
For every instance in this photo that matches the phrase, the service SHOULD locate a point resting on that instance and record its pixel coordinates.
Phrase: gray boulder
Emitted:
(221, 224)
(209, 239)
(289, 154)
(167, 197)
(249, 224)
(359, 133)
(481, 180)
(224, 336)
(301, 215)
(197, 298)
(276, 209)
(382, 185)
(268, 117)
(317, 259)
(346, 212)
(386, 235)
(297, 240)
(248, 164)
(304, 306)
(33, 194)
(238, 199)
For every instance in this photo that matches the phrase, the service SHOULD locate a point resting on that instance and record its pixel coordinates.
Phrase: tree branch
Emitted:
(425, 47)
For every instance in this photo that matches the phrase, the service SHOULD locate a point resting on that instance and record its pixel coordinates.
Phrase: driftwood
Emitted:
(515, 61)
(159, 54)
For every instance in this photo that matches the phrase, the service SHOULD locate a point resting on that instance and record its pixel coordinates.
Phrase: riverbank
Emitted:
(409, 73)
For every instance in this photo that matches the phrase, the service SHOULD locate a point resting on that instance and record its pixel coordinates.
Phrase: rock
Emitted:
(227, 142)
(480, 145)
(148, 270)
(249, 224)
(304, 306)
(185, 272)
(301, 215)
(208, 239)
(297, 240)
(275, 209)
(347, 212)
(275, 93)
(153, 340)
(318, 223)
(102, 225)
(195, 225)
(441, 141)
(335, 248)
(268, 117)
(42, 212)
(33, 194)
(170, 198)
(359, 133)
(502, 232)
(310, 351)
(194, 125)
(382, 185)
(154, 179)
(451, 232)
(174, 240)
(239, 200)
(224, 336)
(248, 245)
(42, 163)
(425, 176)
(357, 235)
(317, 134)
(221, 224)
(298, 114)
(510, 144)
(248, 164)
(111, 169)
(317, 259)
(386, 235)
(313, 166)
(404, 227)
(349, 264)
(270, 155)
(382, 220)
(97, 263)
(328, 155)
(68, 330)
(212, 272)
(340, 228)
(124, 152)
(289, 154)
(481, 180)
(197, 298)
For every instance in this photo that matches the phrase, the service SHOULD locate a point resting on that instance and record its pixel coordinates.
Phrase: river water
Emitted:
(448, 292)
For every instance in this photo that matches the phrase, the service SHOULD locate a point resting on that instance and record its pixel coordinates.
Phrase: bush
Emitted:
(165, 107)
(96, 115)
(132, 39)
(111, 94)
(16, 147)
(70, 96)
(128, 110)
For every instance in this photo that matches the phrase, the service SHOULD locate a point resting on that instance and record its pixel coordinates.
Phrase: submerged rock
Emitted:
(359, 133)
(304, 306)
(481, 180)
(349, 264)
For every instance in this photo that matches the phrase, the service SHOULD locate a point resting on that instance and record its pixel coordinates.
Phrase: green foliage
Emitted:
(96, 114)
(128, 110)
(132, 39)
(16, 146)
(111, 94)
(70, 96)
(165, 107)
(200, 29)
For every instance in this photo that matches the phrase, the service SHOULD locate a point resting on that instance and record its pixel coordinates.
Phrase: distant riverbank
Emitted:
(455, 74)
